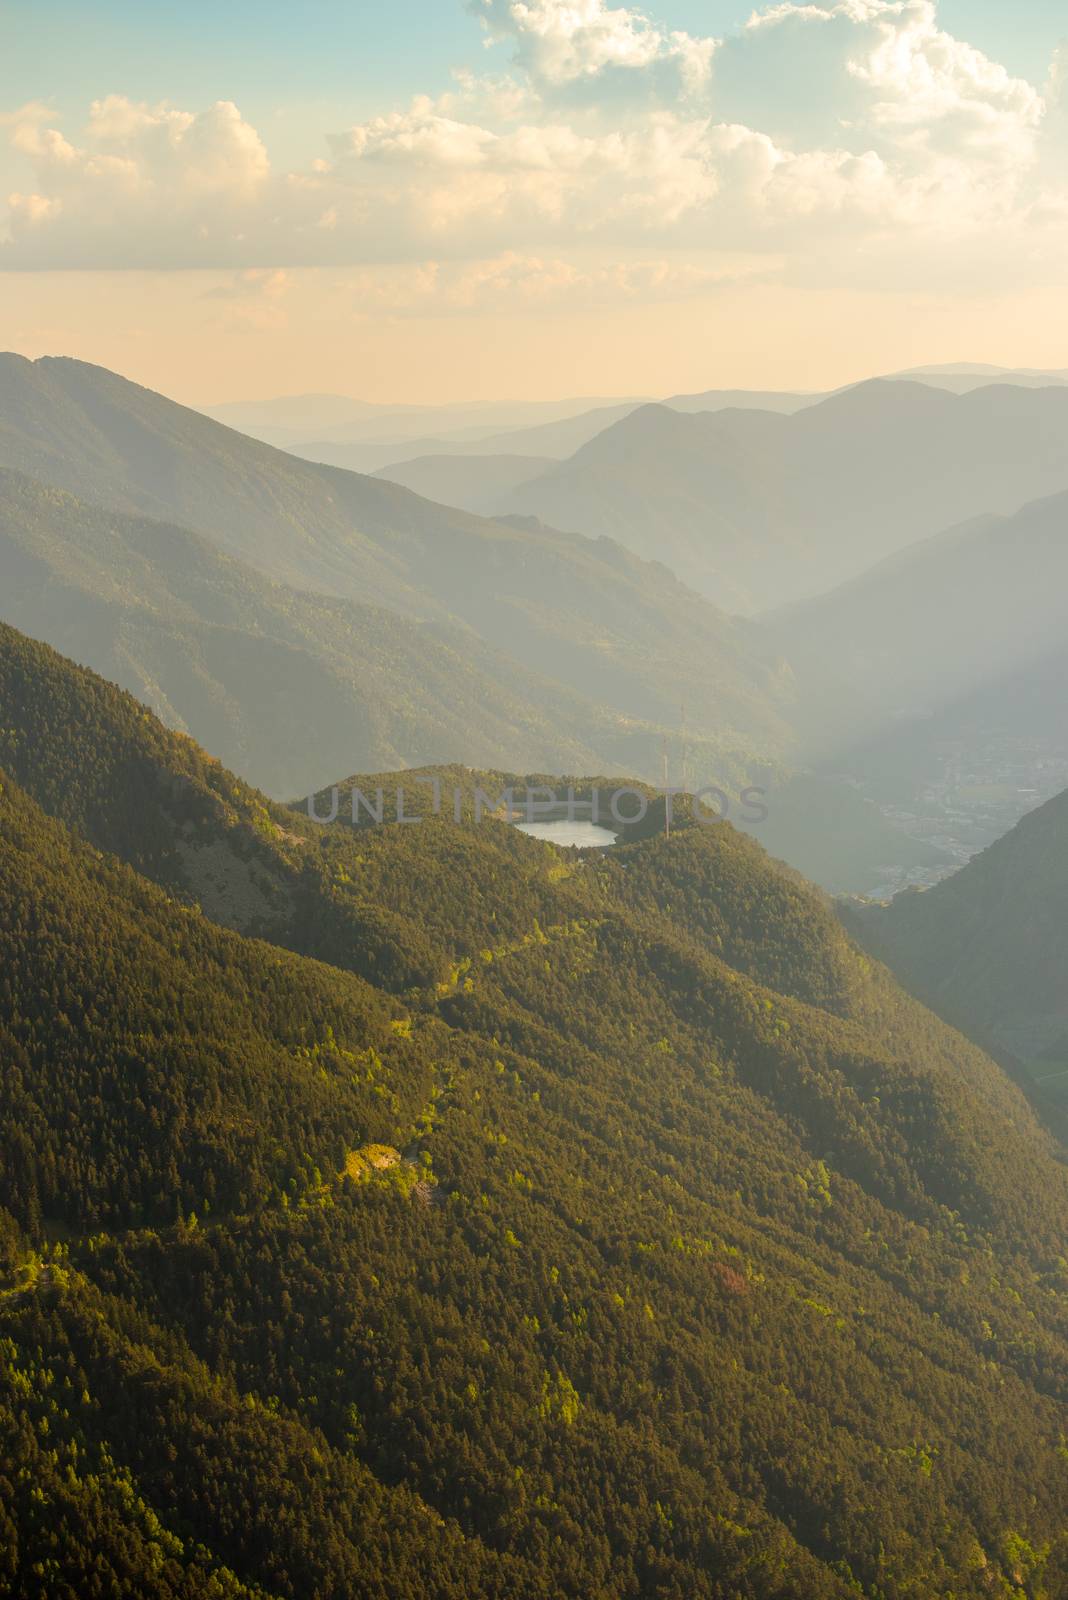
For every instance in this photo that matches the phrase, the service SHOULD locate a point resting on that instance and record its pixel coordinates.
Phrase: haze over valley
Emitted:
(303, 619)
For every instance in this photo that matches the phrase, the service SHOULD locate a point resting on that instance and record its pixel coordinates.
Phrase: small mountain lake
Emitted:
(580, 835)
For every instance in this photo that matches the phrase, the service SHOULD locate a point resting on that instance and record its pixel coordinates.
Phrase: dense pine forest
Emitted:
(426, 1210)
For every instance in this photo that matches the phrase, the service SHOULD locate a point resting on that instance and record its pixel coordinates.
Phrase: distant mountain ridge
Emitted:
(584, 612)
(514, 645)
(771, 508)
(366, 437)
(288, 686)
(552, 440)
(344, 420)
(935, 681)
(898, 637)
(988, 947)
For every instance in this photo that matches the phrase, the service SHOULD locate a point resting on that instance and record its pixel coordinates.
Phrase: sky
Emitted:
(444, 200)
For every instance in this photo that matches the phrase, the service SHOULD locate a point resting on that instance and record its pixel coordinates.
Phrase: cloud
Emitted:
(564, 44)
(439, 181)
(942, 94)
(883, 70)
(30, 210)
(816, 133)
(138, 180)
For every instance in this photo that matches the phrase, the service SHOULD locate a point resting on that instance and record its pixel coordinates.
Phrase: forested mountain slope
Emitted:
(154, 1067)
(988, 947)
(632, 1234)
(288, 687)
(586, 613)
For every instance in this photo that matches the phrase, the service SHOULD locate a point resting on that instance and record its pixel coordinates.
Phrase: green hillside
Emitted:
(631, 1234)
(987, 947)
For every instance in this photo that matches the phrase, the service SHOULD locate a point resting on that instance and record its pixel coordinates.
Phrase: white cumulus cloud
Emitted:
(816, 131)
(564, 43)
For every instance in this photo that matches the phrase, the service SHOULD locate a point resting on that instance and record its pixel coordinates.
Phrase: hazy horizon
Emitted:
(455, 202)
(549, 397)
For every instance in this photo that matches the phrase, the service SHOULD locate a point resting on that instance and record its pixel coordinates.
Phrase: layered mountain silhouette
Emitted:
(1012, 570)
(471, 1218)
(935, 681)
(945, 618)
(547, 440)
(297, 421)
(366, 438)
(756, 509)
(613, 629)
(302, 620)
(287, 685)
(987, 947)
